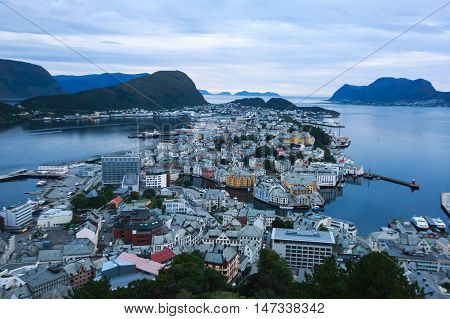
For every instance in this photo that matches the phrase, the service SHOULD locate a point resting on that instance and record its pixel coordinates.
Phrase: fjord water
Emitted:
(399, 142)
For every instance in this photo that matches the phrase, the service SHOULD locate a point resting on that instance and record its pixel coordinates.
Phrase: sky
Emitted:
(289, 47)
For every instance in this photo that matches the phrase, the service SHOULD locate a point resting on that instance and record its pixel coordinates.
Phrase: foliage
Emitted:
(186, 278)
(81, 202)
(280, 223)
(149, 193)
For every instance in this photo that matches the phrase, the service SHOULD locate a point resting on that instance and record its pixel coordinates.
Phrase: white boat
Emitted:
(420, 223)
(41, 183)
(436, 222)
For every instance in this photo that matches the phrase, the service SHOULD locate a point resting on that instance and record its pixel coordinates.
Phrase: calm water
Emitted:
(400, 142)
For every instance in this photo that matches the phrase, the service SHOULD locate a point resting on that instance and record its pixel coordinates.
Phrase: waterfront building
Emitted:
(17, 217)
(55, 217)
(324, 176)
(157, 178)
(115, 167)
(302, 249)
(298, 184)
(54, 169)
(240, 178)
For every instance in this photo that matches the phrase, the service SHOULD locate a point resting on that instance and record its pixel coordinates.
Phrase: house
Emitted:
(88, 230)
(164, 256)
(115, 202)
(78, 249)
(80, 272)
(223, 259)
(215, 199)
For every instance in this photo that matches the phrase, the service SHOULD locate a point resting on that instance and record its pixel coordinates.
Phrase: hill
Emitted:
(21, 80)
(245, 93)
(75, 84)
(7, 113)
(162, 90)
(273, 103)
(205, 92)
(391, 90)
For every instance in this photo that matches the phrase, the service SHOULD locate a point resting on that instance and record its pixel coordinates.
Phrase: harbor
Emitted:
(411, 184)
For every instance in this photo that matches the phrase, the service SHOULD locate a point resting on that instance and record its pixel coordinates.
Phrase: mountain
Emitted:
(205, 92)
(391, 90)
(273, 103)
(162, 90)
(75, 84)
(255, 101)
(7, 112)
(245, 93)
(21, 80)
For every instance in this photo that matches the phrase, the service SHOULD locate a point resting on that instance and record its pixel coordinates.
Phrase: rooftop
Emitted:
(322, 237)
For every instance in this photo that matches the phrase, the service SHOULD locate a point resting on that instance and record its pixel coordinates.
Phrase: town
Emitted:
(125, 216)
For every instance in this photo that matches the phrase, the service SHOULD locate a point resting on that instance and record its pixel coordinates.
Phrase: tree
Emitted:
(280, 223)
(274, 279)
(378, 275)
(328, 281)
(93, 290)
(149, 193)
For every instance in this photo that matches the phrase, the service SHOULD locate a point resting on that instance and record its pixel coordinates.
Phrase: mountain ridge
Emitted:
(22, 80)
(78, 83)
(162, 89)
(391, 90)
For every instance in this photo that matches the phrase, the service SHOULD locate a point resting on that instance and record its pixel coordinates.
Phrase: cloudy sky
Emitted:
(289, 47)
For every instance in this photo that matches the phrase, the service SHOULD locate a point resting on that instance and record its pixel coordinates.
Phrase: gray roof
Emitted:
(50, 255)
(41, 275)
(319, 237)
(79, 247)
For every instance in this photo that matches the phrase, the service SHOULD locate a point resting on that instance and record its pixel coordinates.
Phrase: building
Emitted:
(115, 167)
(299, 184)
(54, 169)
(215, 199)
(42, 280)
(137, 225)
(115, 202)
(302, 249)
(7, 246)
(157, 178)
(164, 256)
(18, 217)
(55, 217)
(143, 265)
(324, 176)
(80, 272)
(240, 178)
(223, 259)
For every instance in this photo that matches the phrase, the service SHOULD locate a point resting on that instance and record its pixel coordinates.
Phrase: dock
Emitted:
(412, 184)
(445, 203)
(24, 174)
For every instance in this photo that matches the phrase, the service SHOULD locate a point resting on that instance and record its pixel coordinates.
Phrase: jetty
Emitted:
(411, 184)
(445, 203)
(24, 174)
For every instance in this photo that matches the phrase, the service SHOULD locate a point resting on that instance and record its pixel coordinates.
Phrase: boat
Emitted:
(317, 208)
(436, 223)
(144, 135)
(41, 183)
(420, 223)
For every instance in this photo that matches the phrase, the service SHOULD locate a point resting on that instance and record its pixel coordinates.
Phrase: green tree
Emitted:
(378, 275)
(93, 290)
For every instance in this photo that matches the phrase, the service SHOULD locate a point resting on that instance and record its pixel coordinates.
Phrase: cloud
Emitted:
(291, 47)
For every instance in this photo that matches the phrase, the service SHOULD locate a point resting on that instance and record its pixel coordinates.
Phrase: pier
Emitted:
(445, 203)
(24, 174)
(412, 184)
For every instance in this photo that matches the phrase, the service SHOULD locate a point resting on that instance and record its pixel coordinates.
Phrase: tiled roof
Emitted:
(163, 256)
(142, 264)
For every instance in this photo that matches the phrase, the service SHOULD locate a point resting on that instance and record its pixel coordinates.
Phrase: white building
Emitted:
(18, 217)
(302, 249)
(55, 217)
(156, 179)
(55, 169)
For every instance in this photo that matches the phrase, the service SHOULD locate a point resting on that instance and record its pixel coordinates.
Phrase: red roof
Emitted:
(163, 256)
(117, 200)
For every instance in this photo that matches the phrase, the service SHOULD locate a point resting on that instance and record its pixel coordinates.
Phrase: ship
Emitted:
(435, 223)
(342, 142)
(420, 223)
(144, 135)
(41, 183)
